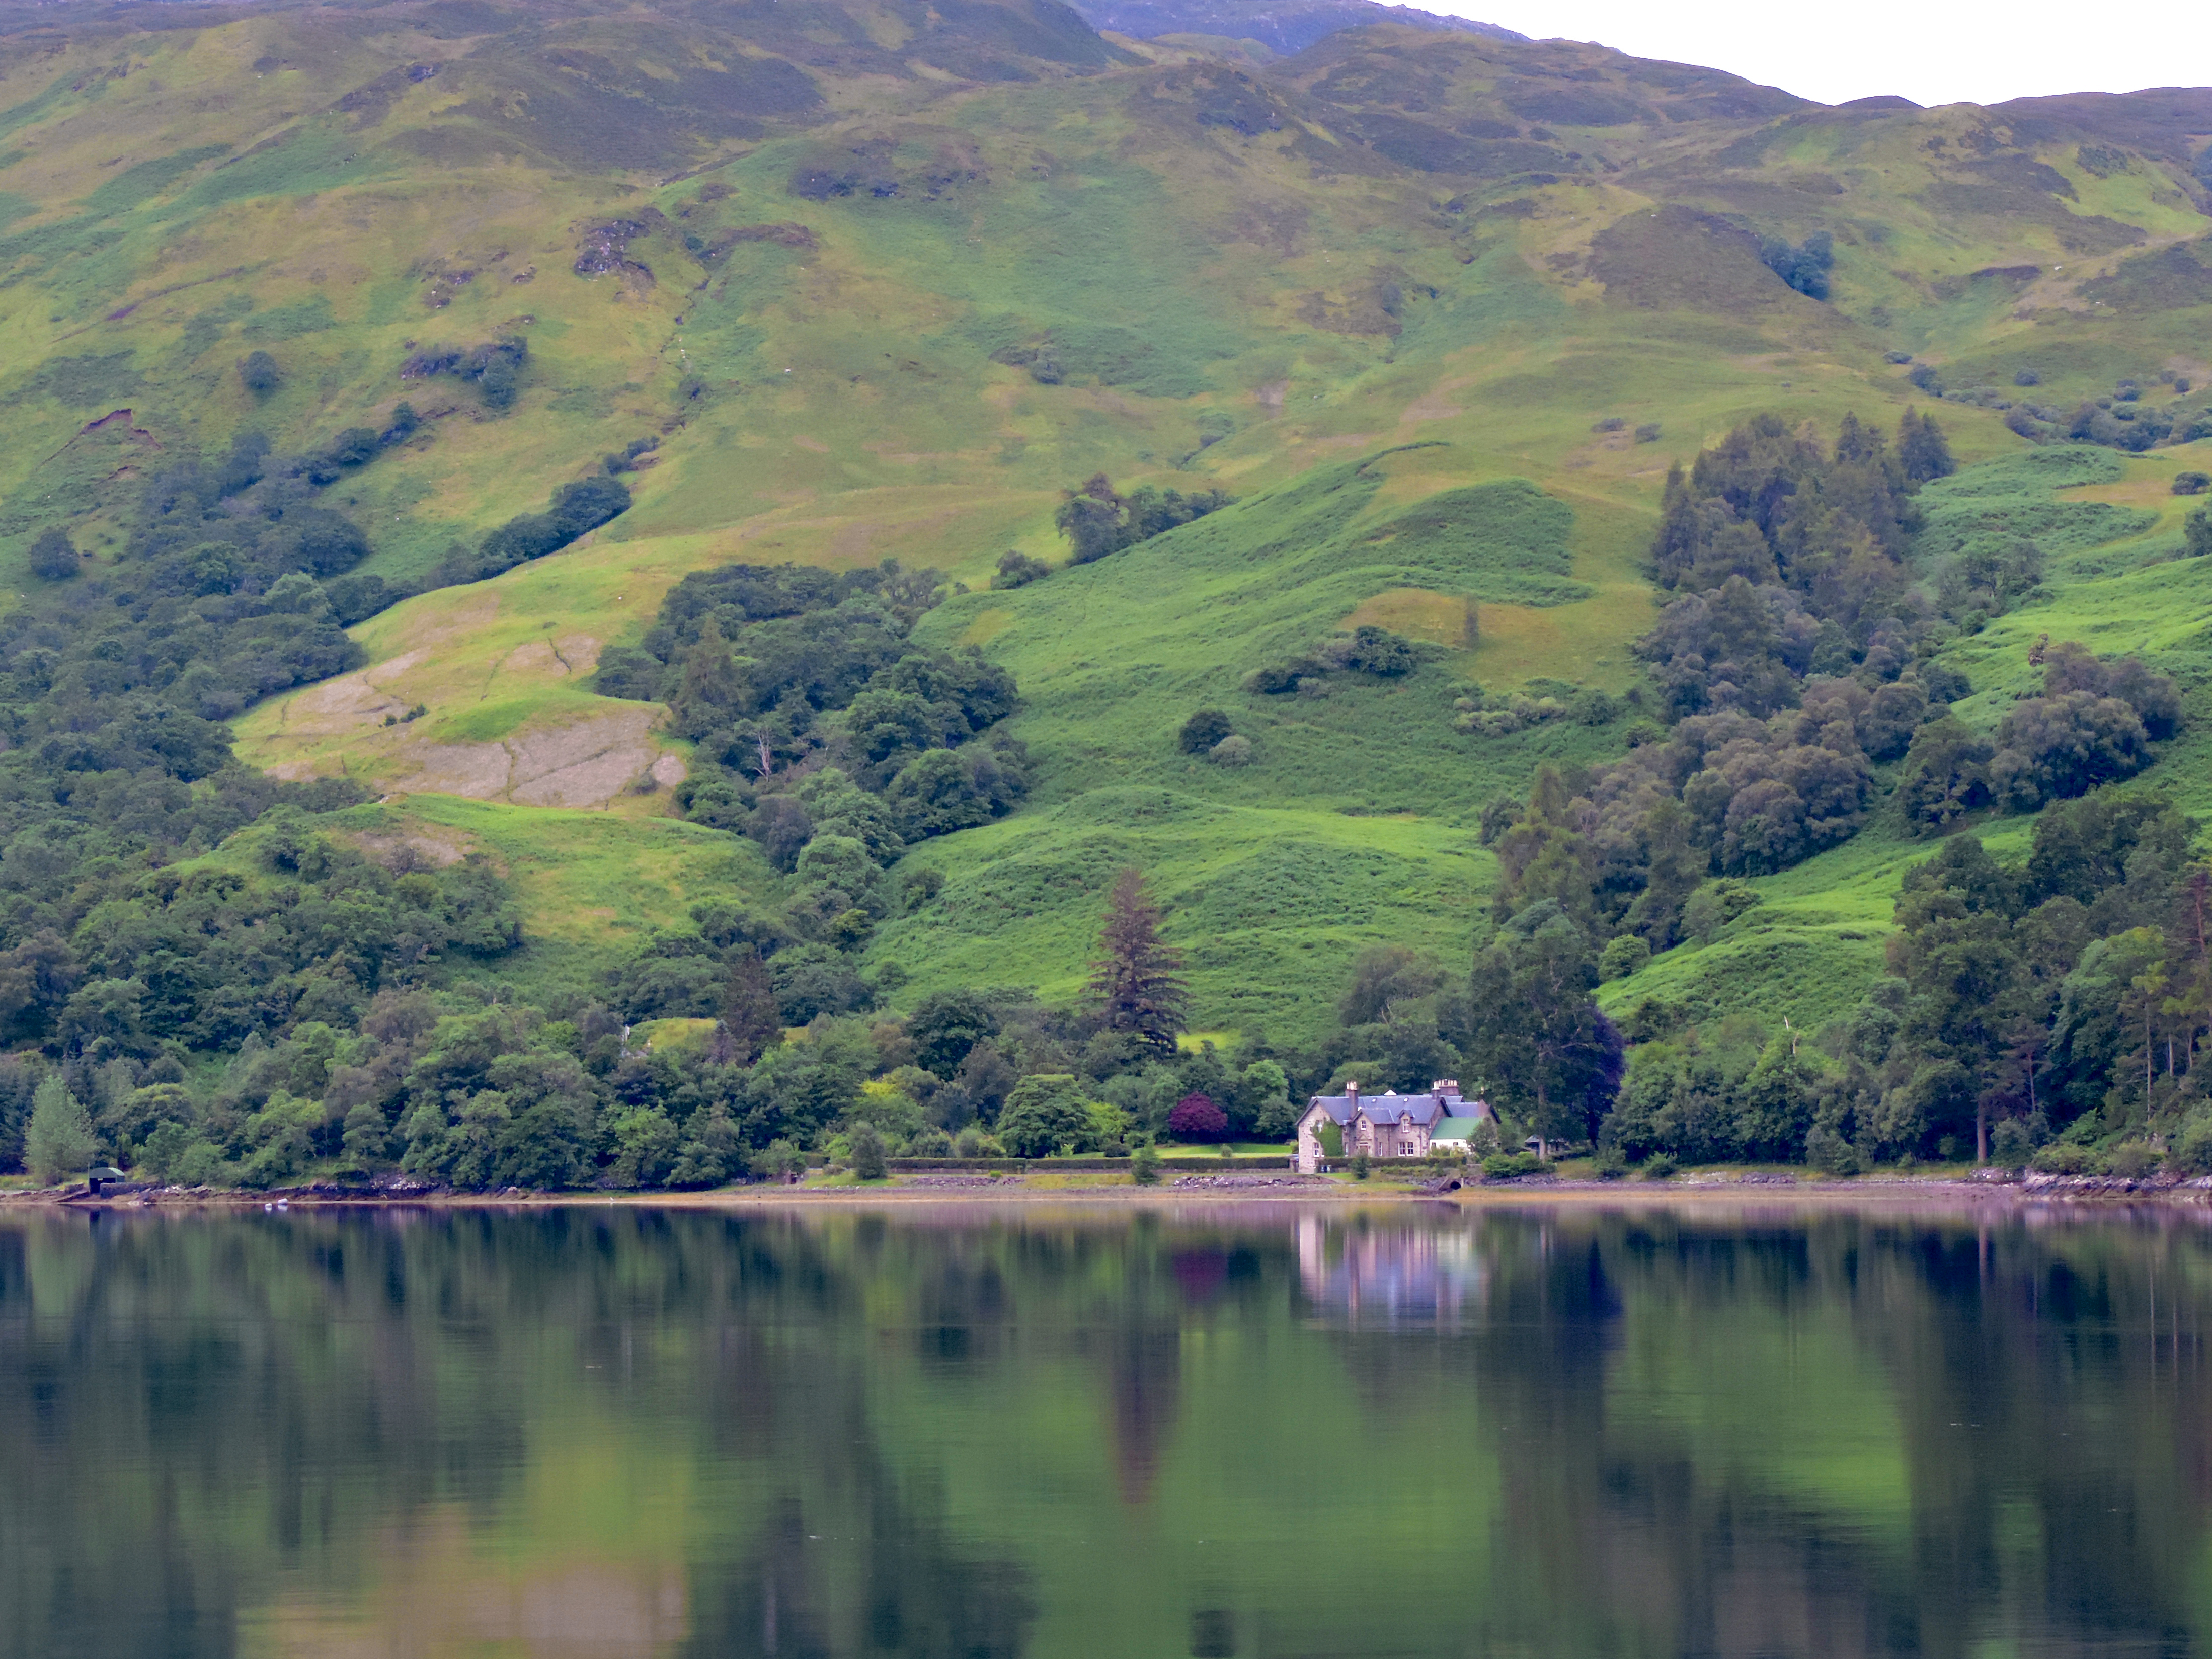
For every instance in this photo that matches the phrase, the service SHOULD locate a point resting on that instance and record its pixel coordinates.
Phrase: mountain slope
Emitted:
(879, 280)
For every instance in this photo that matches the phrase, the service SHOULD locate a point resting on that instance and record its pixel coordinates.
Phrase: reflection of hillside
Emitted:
(1374, 1278)
(437, 1593)
(628, 1431)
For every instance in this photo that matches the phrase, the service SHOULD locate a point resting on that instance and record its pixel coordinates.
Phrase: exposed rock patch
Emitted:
(583, 764)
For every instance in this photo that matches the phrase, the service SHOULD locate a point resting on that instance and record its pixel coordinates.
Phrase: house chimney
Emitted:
(1351, 1094)
(1445, 1088)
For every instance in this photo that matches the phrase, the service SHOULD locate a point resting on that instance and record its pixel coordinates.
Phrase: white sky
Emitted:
(1933, 51)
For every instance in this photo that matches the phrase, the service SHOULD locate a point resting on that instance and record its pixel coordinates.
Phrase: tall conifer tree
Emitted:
(1137, 978)
(752, 1021)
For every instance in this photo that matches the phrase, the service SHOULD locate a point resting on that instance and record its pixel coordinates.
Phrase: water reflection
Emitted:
(1387, 1276)
(635, 1433)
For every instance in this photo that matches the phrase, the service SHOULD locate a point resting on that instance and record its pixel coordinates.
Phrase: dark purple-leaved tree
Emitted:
(1196, 1117)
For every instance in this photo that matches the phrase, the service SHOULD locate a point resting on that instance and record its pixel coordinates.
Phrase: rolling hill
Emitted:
(842, 281)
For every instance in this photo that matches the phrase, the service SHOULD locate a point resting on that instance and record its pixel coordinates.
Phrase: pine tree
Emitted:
(752, 1020)
(1136, 978)
(1921, 448)
(1675, 551)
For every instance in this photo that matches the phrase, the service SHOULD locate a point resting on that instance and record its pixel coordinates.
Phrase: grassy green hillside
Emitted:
(882, 281)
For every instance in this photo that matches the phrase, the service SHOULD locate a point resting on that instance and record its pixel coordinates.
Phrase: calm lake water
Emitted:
(1257, 1431)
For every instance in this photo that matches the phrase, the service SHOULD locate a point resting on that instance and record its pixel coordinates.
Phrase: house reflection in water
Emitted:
(1373, 1277)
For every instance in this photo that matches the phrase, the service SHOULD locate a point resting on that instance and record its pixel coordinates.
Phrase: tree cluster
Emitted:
(1804, 267)
(2093, 725)
(1367, 650)
(1797, 673)
(2060, 999)
(495, 368)
(1098, 520)
(815, 714)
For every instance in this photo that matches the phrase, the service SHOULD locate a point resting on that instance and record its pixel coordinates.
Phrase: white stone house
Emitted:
(1388, 1124)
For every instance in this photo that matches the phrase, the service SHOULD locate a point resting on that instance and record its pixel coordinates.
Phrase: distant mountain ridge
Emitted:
(1288, 29)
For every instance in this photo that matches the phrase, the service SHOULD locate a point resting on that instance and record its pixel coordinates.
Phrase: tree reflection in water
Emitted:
(1245, 1431)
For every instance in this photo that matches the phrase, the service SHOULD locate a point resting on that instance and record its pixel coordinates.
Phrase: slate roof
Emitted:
(1386, 1108)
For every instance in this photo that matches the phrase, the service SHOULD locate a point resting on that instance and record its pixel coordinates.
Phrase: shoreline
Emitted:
(1767, 1191)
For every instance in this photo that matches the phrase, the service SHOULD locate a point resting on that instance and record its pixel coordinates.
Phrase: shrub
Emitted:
(1280, 679)
(1195, 1117)
(1231, 751)
(354, 447)
(2134, 1160)
(500, 379)
(780, 1160)
(1924, 376)
(1826, 1149)
(1203, 731)
(259, 374)
(1511, 1166)
(2192, 1152)
(1660, 1166)
(53, 557)
(2027, 377)
(1145, 1165)
(1610, 424)
(1018, 569)
(1623, 956)
(2011, 1144)
(2192, 483)
(1378, 652)
(1362, 1166)
(1648, 433)
(2063, 1158)
(2197, 532)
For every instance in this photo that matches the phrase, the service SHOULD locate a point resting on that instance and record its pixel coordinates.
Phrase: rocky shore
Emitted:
(1985, 1186)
